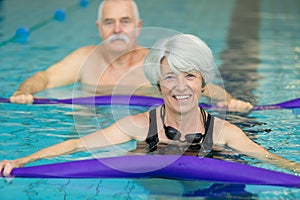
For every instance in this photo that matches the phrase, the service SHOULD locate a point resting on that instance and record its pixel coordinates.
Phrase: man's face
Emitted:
(118, 26)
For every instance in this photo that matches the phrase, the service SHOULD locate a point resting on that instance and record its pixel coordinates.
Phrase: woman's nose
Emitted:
(181, 83)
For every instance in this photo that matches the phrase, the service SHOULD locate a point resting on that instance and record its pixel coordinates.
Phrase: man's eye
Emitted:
(108, 22)
(125, 21)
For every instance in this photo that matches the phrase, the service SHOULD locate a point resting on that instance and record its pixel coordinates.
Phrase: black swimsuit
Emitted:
(201, 149)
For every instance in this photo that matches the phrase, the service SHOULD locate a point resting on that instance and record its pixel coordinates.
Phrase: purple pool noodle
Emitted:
(151, 101)
(110, 100)
(143, 101)
(295, 103)
(171, 167)
(106, 100)
(4, 100)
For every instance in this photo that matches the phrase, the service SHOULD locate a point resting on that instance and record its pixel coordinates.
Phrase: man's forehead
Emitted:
(117, 9)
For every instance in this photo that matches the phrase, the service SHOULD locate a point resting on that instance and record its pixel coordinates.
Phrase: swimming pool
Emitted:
(257, 49)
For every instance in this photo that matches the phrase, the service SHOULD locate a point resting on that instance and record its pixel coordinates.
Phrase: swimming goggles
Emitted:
(174, 134)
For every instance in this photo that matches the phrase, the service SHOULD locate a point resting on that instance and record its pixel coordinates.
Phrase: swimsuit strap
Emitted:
(203, 113)
(207, 143)
(152, 137)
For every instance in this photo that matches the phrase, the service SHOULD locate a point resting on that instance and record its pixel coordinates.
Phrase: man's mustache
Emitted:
(115, 37)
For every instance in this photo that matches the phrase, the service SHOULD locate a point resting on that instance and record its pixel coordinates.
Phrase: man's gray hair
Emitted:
(184, 53)
(136, 14)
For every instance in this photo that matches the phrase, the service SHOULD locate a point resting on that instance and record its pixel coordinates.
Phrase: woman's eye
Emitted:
(190, 76)
(169, 78)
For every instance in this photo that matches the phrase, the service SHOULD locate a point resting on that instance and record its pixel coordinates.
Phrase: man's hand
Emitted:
(235, 105)
(21, 98)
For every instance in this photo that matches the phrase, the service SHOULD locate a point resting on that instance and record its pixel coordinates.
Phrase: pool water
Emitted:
(257, 49)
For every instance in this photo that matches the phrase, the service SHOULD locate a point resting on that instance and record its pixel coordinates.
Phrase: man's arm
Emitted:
(216, 93)
(61, 73)
(36, 83)
(224, 99)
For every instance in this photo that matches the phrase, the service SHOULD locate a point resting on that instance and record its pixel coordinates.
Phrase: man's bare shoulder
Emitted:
(142, 50)
(75, 57)
(139, 54)
(86, 49)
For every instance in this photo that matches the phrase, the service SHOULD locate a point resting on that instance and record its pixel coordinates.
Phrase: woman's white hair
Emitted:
(184, 53)
(136, 14)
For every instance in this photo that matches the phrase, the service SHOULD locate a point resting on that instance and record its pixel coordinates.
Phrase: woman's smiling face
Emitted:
(181, 91)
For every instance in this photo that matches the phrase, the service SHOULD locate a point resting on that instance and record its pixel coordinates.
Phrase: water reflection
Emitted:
(240, 60)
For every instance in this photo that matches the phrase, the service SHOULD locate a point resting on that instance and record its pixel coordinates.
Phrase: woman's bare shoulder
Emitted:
(140, 119)
(223, 131)
(135, 125)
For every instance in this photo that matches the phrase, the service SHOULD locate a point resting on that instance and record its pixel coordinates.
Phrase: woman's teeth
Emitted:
(180, 97)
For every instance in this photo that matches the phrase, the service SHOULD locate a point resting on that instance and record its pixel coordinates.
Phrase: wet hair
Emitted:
(136, 14)
(184, 53)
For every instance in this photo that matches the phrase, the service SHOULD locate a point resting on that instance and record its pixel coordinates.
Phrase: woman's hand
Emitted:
(6, 166)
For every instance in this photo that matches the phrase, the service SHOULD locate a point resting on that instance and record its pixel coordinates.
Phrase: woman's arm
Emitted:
(117, 133)
(235, 138)
(92, 141)
(67, 147)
